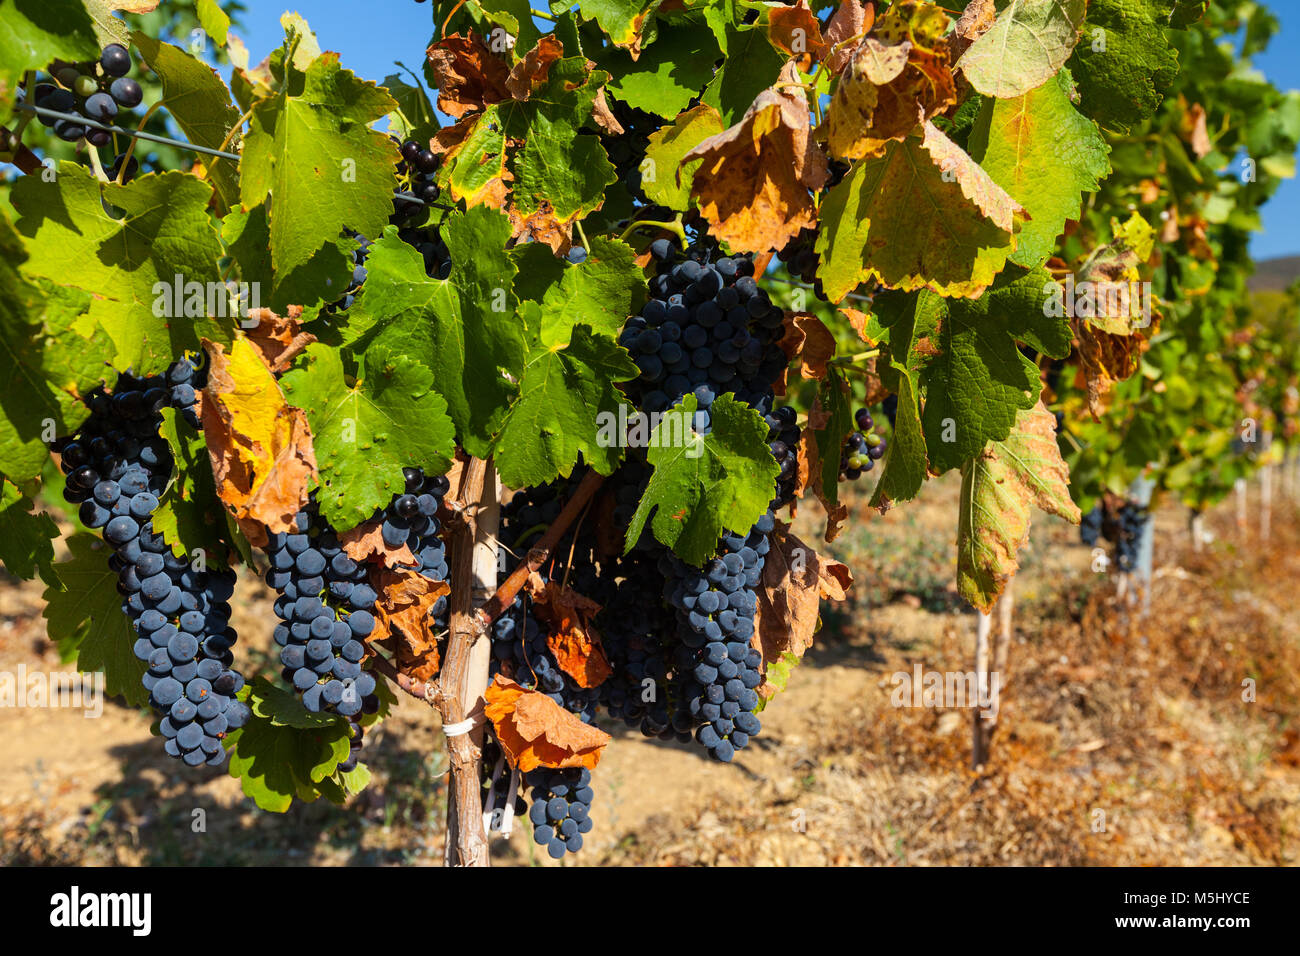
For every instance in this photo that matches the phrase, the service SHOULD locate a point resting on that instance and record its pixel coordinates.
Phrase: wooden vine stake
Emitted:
(990, 674)
(1265, 502)
(1240, 487)
(473, 575)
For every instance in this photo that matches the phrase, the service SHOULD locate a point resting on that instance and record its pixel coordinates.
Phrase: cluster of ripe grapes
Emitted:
(1122, 526)
(325, 601)
(96, 91)
(627, 150)
(117, 468)
(862, 449)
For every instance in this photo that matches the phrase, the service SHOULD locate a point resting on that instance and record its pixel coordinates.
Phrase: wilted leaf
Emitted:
(851, 19)
(405, 602)
(997, 490)
(535, 731)
(365, 542)
(530, 72)
(469, 76)
(898, 78)
(279, 339)
(795, 29)
(795, 579)
(754, 179)
(973, 23)
(571, 635)
(260, 446)
(807, 339)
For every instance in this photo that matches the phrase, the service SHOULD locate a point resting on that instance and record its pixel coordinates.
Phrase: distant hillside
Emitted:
(1274, 274)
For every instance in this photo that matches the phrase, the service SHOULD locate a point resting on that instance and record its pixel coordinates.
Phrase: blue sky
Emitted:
(371, 34)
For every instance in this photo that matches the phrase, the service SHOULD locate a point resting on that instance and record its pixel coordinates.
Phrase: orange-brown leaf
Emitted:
(795, 579)
(366, 542)
(571, 633)
(402, 609)
(468, 75)
(795, 29)
(899, 77)
(753, 181)
(260, 446)
(542, 225)
(535, 731)
(278, 338)
(973, 23)
(851, 21)
(530, 72)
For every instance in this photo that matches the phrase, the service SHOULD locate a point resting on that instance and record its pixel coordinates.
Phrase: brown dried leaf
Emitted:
(795, 579)
(260, 446)
(603, 117)
(530, 72)
(542, 226)
(974, 22)
(753, 182)
(851, 19)
(795, 29)
(1195, 131)
(572, 635)
(899, 77)
(278, 338)
(366, 542)
(468, 75)
(405, 602)
(535, 731)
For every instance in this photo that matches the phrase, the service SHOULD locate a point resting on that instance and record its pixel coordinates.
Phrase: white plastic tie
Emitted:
(458, 730)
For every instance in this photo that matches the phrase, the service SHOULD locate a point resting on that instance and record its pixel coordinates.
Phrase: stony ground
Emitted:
(1123, 739)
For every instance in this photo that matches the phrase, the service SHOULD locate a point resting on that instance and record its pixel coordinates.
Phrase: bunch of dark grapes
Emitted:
(561, 808)
(344, 302)
(95, 91)
(862, 449)
(707, 328)
(325, 602)
(1120, 525)
(626, 150)
(1090, 525)
(783, 440)
(117, 467)
(889, 405)
(800, 259)
(716, 671)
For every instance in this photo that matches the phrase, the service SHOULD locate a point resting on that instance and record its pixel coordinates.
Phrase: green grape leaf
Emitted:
(108, 28)
(751, 66)
(279, 754)
(622, 20)
(1024, 48)
(319, 281)
(312, 148)
(664, 179)
(1124, 62)
(45, 364)
(600, 293)
(463, 328)
(189, 515)
(131, 264)
(976, 380)
(1046, 156)
(777, 677)
(906, 460)
(834, 397)
(197, 99)
(84, 617)
(366, 432)
(35, 32)
(213, 19)
(559, 169)
(997, 490)
(669, 73)
(703, 485)
(922, 215)
(25, 536)
(567, 400)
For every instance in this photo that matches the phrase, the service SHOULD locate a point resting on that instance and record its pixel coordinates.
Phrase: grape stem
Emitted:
(537, 555)
(96, 165)
(856, 358)
(582, 236)
(230, 134)
(130, 150)
(675, 227)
